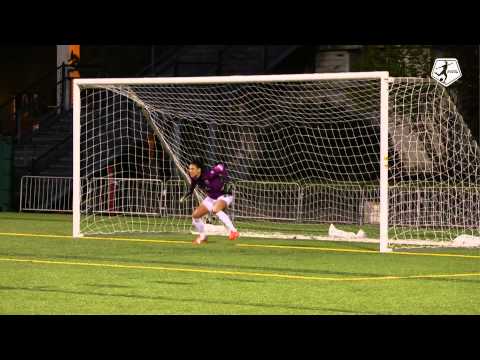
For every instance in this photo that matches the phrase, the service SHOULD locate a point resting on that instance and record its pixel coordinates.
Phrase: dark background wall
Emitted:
(22, 65)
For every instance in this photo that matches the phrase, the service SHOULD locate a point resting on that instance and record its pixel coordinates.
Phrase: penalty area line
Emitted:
(356, 250)
(242, 245)
(97, 238)
(235, 273)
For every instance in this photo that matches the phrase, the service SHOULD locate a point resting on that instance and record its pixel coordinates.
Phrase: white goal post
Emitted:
(358, 149)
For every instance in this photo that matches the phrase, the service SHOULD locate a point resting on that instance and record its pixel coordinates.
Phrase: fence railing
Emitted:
(285, 202)
(42, 193)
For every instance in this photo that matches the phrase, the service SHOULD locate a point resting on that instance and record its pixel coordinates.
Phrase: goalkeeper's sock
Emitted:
(226, 220)
(200, 226)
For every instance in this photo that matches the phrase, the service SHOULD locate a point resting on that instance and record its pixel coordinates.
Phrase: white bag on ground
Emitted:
(467, 241)
(337, 233)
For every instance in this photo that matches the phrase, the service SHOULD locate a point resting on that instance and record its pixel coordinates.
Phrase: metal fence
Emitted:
(42, 193)
(271, 201)
(409, 206)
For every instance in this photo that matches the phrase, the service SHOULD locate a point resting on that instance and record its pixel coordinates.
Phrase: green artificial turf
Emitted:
(44, 271)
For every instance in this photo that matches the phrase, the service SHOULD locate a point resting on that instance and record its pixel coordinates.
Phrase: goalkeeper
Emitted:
(215, 182)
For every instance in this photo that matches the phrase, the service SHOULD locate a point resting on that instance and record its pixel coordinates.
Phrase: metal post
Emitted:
(76, 161)
(300, 203)
(62, 92)
(384, 165)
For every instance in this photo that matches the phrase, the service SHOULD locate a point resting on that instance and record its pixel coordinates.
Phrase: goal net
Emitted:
(434, 168)
(359, 151)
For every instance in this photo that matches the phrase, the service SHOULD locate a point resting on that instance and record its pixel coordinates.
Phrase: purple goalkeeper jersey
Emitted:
(211, 180)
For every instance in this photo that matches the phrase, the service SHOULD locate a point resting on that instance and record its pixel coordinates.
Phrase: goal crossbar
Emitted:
(230, 79)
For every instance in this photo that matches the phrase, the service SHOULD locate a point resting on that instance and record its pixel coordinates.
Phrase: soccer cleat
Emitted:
(234, 235)
(200, 240)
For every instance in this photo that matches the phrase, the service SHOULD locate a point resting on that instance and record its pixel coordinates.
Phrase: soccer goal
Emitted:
(344, 156)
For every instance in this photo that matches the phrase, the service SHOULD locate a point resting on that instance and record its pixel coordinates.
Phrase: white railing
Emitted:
(289, 202)
(45, 193)
(124, 196)
(273, 201)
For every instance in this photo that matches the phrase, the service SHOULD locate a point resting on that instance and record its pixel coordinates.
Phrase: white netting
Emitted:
(299, 153)
(434, 175)
(290, 148)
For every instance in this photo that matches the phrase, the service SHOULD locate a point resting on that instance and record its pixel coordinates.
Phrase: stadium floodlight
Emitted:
(360, 149)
